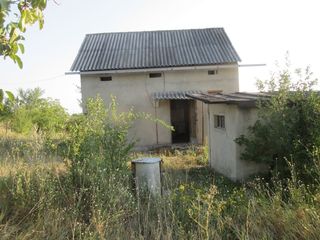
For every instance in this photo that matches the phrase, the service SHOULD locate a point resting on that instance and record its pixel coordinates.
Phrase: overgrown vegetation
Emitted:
(30, 111)
(288, 126)
(45, 200)
(77, 184)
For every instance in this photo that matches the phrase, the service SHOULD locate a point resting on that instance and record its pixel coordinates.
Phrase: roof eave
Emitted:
(221, 98)
(72, 73)
(156, 69)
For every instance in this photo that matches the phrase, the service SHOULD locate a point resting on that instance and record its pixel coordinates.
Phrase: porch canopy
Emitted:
(174, 95)
(242, 99)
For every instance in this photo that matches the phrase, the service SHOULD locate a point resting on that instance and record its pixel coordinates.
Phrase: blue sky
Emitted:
(261, 31)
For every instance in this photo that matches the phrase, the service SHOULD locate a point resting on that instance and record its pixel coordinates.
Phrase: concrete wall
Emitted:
(224, 152)
(133, 90)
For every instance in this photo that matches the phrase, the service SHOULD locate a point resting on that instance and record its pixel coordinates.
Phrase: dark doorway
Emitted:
(180, 120)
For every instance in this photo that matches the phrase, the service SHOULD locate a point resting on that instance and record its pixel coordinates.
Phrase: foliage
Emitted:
(98, 154)
(5, 97)
(203, 159)
(288, 125)
(39, 200)
(100, 136)
(32, 110)
(205, 211)
(15, 16)
(6, 111)
(21, 121)
(88, 195)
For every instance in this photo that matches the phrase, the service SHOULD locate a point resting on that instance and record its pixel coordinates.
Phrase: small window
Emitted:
(219, 121)
(213, 72)
(105, 79)
(155, 75)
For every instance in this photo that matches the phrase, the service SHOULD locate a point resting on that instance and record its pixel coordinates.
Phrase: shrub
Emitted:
(91, 196)
(32, 111)
(98, 154)
(288, 125)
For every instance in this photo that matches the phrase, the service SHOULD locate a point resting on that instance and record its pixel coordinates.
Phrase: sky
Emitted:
(261, 31)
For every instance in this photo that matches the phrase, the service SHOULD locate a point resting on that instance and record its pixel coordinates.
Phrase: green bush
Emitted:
(288, 125)
(99, 153)
(31, 111)
(21, 121)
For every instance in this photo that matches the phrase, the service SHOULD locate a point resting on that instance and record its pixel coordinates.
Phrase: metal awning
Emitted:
(239, 98)
(167, 95)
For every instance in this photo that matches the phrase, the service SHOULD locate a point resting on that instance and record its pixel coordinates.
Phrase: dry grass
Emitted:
(38, 201)
(180, 162)
(54, 166)
(6, 133)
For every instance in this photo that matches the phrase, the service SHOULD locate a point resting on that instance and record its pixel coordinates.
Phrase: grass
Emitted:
(40, 199)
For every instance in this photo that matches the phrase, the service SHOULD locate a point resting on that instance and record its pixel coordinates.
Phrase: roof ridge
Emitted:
(149, 31)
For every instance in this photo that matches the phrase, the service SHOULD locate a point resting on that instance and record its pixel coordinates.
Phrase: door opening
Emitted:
(180, 120)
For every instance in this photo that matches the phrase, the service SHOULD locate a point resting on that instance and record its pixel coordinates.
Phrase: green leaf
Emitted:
(14, 23)
(21, 47)
(14, 48)
(10, 96)
(1, 99)
(43, 4)
(22, 24)
(1, 96)
(12, 31)
(18, 60)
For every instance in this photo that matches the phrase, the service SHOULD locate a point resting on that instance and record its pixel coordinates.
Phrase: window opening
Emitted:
(155, 75)
(213, 72)
(105, 79)
(219, 121)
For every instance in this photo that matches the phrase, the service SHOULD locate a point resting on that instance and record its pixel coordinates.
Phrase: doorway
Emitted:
(180, 120)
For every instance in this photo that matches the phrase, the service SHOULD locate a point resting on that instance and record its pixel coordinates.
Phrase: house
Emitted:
(229, 116)
(153, 71)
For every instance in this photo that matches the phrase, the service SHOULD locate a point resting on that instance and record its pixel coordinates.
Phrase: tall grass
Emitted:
(84, 192)
(41, 202)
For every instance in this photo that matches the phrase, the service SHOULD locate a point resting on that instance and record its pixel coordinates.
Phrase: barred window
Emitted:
(219, 121)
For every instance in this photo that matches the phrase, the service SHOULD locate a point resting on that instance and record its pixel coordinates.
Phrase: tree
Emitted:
(32, 110)
(6, 113)
(30, 97)
(288, 125)
(15, 16)
(3, 99)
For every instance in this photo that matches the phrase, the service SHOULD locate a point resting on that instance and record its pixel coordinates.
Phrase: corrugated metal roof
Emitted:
(230, 98)
(181, 95)
(154, 49)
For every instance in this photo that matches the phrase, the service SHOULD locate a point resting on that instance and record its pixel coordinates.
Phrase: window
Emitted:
(213, 72)
(107, 78)
(219, 121)
(155, 75)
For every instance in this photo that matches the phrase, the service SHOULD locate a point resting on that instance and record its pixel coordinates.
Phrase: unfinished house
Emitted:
(153, 71)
